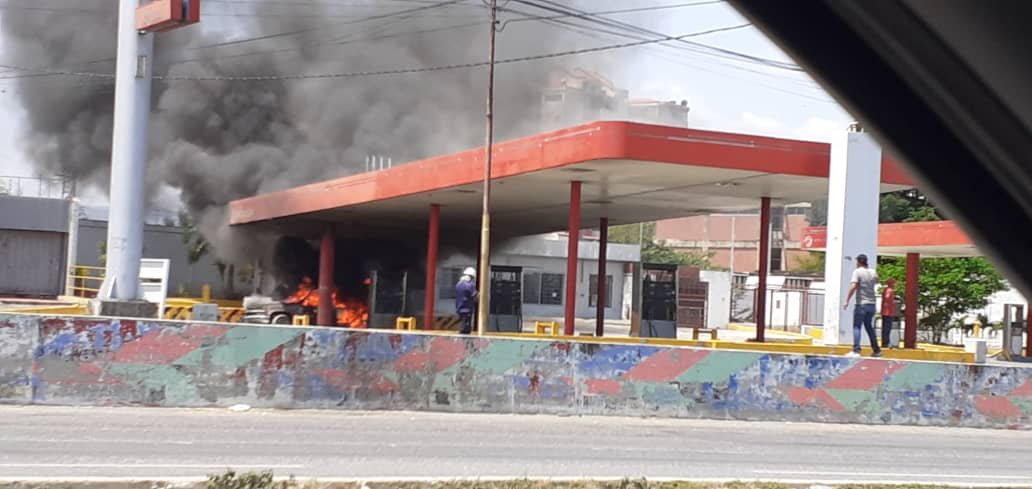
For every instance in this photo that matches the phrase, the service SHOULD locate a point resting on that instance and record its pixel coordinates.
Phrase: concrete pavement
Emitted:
(61, 443)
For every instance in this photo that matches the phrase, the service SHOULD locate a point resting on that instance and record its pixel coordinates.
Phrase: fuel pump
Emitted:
(387, 297)
(659, 301)
(506, 300)
(1013, 328)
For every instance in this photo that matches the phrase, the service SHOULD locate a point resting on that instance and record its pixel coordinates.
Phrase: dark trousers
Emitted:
(886, 330)
(863, 314)
(467, 322)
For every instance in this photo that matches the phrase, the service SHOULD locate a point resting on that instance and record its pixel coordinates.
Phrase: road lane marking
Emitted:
(150, 466)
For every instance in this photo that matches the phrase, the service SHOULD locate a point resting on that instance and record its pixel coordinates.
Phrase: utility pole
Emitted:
(128, 158)
(483, 312)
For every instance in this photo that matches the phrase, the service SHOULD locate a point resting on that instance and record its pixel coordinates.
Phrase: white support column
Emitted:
(853, 190)
(128, 157)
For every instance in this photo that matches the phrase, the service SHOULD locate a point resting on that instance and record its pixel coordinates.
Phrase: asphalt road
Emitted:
(73, 443)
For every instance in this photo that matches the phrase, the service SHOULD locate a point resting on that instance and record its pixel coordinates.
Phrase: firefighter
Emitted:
(466, 299)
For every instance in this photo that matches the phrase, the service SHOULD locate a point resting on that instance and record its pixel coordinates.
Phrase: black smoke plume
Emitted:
(215, 141)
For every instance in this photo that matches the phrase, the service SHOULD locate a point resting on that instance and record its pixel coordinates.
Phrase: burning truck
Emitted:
(373, 279)
(350, 312)
(387, 298)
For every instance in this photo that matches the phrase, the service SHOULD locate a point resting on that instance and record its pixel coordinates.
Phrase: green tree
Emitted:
(810, 263)
(660, 254)
(906, 206)
(632, 233)
(653, 252)
(817, 214)
(947, 287)
(196, 245)
(901, 206)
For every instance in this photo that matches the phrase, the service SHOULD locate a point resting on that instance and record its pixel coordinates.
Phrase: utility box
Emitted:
(204, 312)
(506, 300)
(658, 301)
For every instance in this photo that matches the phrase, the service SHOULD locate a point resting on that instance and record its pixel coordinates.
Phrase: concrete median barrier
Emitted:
(97, 361)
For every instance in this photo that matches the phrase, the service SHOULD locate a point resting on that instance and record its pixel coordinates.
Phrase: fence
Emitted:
(813, 308)
(807, 306)
(86, 281)
(47, 188)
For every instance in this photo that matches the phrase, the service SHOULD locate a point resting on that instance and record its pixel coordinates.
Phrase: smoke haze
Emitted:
(215, 141)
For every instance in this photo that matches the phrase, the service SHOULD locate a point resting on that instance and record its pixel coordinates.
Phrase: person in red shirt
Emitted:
(888, 311)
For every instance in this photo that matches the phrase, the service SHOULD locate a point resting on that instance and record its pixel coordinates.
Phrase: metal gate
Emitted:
(691, 298)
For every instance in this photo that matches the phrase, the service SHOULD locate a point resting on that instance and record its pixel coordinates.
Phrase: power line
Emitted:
(404, 13)
(318, 28)
(552, 6)
(654, 51)
(610, 12)
(342, 41)
(264, 78)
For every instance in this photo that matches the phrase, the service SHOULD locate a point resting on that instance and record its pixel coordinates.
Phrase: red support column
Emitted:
(600, 294)
(910, 298)
(433, 236)
(764, 252)
(325, 316)
(571, 259)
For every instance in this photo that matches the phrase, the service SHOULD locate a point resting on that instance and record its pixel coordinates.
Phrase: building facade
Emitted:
(734, 239)
(543, 262)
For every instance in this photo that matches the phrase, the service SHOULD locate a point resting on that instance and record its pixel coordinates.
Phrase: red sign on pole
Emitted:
(167, 15)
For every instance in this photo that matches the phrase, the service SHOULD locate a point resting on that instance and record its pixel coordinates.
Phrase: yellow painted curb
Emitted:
(69, 309)
(771, 347)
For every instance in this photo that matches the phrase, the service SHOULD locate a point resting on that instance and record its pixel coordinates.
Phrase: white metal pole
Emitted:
(731, 303)
(72, 243)
(732, 264)
(128, 157)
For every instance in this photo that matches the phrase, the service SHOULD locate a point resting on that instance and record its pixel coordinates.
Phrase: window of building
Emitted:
(446, 280)
(593, 291)
(542, 288)
(775, 259)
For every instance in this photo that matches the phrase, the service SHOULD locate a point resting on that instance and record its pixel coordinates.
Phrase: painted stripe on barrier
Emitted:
(214, 364)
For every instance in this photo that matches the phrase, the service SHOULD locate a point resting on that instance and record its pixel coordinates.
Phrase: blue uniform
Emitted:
(465, 296)
(465, 302)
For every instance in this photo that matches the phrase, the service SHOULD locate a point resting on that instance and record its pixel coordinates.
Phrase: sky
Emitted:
(722, 95)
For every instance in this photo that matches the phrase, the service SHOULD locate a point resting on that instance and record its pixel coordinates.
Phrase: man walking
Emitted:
(466, 299)
(863, 284)
(889, 312)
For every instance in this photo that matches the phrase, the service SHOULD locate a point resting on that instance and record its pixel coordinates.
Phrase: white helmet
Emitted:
(470, 271)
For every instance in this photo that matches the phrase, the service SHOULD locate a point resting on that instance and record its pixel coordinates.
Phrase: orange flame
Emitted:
(351, 312)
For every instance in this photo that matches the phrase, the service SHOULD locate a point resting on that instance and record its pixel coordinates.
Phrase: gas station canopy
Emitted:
(936, 239)
(629, 172)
